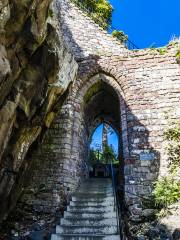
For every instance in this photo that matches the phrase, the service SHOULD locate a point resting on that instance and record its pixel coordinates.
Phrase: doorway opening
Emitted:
(104, 151)
(102, 121)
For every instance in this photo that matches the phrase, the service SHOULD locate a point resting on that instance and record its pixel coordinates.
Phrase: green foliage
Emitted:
(92, 91)
(166, 191)
(178, 56)
(109, 155)
(174, 156)
(99, 10)
(94, 156)
(162, 51)
(50, 13)
(104, 157)
(172, 134)
(120, 35)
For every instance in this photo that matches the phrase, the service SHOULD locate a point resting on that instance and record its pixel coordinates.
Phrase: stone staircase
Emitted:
(91, 213)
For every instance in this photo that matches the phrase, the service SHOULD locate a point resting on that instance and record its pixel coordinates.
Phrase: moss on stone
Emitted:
(26, 137)
(25, 105)
(92, 91)
(49, 119)
(178, 56)
(162, 51)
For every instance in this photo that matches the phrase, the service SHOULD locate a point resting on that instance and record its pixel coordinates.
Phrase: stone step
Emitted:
(94, 191)
(88, 222)
(92, 195)
(83, 237)
(92, 215)
(97, 179)
(96, 187)
(95, 209)
(86, 229)
(92, 199)
(90, 185)
(89, 191)
(93, 186)
(92, 203)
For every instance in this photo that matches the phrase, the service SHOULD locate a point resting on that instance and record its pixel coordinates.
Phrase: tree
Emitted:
(99, 10)
(120, 35)
(106, 157)
(109, 155)
(95, 156)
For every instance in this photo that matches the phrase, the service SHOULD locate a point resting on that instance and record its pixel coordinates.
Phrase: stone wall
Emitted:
(82, 36)
(147, 83)
(149, 87)
(36, 69)
(54, 175)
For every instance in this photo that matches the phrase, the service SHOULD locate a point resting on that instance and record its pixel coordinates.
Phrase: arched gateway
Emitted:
(129, 90)
(112, 84)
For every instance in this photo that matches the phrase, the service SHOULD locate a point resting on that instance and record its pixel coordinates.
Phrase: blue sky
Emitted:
(147, 22)
(97, 138)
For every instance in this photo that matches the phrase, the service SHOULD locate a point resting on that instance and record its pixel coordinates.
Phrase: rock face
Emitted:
(35, 71)
(166, 227)
(46, 122)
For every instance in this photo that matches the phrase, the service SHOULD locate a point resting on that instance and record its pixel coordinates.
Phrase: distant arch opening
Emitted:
(102, 121)
(103, 150)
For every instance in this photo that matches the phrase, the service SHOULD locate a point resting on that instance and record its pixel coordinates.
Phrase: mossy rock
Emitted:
(178, 57)
(49, 119)
(162, 51)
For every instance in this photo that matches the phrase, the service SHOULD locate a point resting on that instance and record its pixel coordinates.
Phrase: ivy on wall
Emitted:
(167, 188)
(172, 135)
(107, 156)
(120, 35)
(99, 10)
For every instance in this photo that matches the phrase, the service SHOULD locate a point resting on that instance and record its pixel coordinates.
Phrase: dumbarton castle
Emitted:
(61, 75)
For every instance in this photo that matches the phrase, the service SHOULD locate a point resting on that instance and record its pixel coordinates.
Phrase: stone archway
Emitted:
(101, 105)
(81, 92)
(88, 110)
(130, 128)
(66, 145)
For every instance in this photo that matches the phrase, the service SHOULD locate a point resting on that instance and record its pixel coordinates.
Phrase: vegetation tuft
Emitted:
(167, 188)
(107, 156)
(120, 35)
(99, 10)
(167, 191)
(178, 56)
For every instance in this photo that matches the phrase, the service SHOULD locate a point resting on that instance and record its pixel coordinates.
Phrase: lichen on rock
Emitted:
(34, 73)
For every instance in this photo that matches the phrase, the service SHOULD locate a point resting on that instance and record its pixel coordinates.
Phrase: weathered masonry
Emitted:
(130, 90)
(137, 89)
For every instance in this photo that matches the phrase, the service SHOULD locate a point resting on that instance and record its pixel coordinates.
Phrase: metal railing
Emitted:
(117, 206)
(129, 44)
